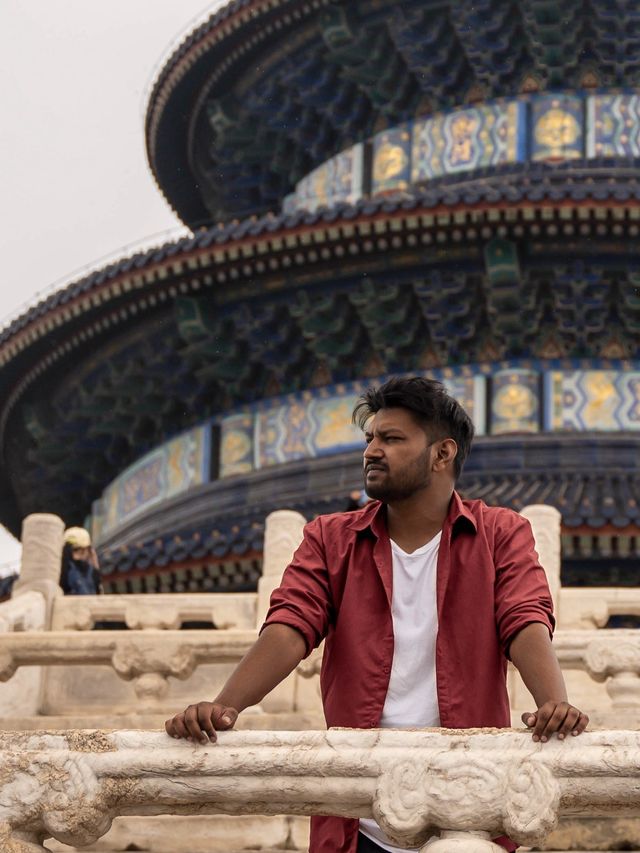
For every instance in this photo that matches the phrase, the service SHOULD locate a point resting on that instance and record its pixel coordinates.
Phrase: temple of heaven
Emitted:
(374, 187)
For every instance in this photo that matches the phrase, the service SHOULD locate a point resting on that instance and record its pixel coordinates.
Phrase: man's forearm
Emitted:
(276, 653)
(534, 658)
(533, 655)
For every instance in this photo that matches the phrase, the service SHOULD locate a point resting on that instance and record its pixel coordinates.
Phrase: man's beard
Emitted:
(403, 484)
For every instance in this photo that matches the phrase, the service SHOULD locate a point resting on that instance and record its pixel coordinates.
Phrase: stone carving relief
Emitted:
(616, 661)
(608, 656)
(59, 796)
(413, 800)
(462, 786)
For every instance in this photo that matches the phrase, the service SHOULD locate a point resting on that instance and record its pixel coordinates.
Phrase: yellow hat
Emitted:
(78, 537)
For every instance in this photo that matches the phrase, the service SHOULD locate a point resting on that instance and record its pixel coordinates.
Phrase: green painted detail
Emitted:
(196, 318)
(501, 260)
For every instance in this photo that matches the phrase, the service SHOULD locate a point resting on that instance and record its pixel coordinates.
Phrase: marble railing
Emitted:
(448, 791)
(578, 607)
(160, 611)
(609, 656)
(151, 657)
(66, 669)
(584, 607)
(147, 657)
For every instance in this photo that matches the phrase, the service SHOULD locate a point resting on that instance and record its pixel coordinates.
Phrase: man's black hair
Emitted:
(436, 411)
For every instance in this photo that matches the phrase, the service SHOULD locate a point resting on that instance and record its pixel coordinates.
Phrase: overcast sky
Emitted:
(74, 182)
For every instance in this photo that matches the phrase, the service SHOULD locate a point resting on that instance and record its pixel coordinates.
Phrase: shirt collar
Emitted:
(373, 515)
(458, 510)
(370, 516)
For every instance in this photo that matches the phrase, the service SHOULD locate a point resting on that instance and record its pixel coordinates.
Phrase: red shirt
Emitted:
(338, 587)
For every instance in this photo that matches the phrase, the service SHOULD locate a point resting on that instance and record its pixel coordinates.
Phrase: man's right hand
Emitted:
(277, 652)
(200, 722)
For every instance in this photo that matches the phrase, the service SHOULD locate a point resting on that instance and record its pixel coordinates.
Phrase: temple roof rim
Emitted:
(584, 192)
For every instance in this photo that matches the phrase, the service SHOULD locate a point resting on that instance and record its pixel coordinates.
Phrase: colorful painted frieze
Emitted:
(173, 468)
(557, 127)
(487, 135)
(603, 400)
(515, 403)
(613, 123)
(332, 430)
(391, 165)
(471, 393)
(337, 180)
(143, 485)
(187, 460)
(305, 428)
(236, 445)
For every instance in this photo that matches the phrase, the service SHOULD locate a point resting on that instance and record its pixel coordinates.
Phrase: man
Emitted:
(421, 597)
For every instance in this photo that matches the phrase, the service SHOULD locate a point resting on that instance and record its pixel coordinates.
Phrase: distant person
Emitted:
(79, 572)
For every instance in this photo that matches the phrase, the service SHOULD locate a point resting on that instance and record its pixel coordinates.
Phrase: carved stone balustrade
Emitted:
(152, 656)
(445, 790)
(592, 607)
(611, 656)
(149, 657)
(160, 611)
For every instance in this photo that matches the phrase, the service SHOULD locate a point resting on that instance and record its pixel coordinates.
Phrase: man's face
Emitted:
(397, 458)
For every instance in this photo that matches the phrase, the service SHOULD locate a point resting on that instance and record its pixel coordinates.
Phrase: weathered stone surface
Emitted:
(416, 783)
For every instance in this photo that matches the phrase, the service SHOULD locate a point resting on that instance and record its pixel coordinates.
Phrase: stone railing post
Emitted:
(282, 535)
(545, 523)
(41, 553)
(39, 581)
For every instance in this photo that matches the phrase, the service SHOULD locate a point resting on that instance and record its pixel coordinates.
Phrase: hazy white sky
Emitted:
(74, 180)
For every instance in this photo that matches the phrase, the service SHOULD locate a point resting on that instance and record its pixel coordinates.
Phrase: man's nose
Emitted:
(372, 450)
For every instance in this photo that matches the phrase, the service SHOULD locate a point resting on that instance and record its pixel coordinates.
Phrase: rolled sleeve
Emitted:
(522, 593)
(303, 600)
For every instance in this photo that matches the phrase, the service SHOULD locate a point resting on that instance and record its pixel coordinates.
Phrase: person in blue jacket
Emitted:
(79, 572)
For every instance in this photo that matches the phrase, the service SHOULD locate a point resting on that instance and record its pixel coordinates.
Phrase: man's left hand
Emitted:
(560, 717)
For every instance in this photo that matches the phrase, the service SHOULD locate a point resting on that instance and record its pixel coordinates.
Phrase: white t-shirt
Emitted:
(412, 695)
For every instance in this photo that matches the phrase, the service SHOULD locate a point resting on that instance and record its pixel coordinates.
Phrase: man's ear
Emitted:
(446, 452)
